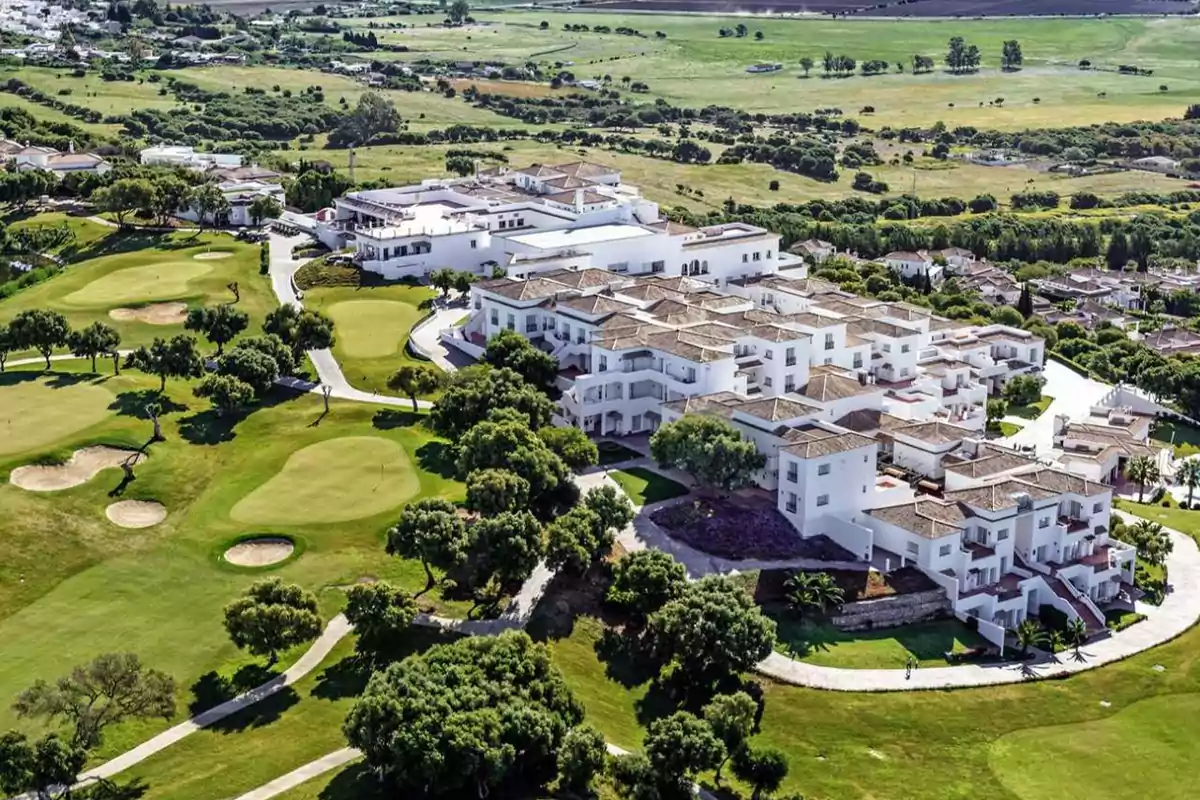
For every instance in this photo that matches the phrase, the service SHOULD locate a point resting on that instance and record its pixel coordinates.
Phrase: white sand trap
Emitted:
(259, 552)
(79, 469)
(213, 256)
(153, 314)
(136, 513)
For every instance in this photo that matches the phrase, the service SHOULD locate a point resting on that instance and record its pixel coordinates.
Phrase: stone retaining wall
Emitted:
(900, 609)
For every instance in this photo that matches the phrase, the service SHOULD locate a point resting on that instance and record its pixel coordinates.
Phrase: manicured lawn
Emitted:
(1185, 438)
(129, 270)
(646, 486)
(886, 648)
(372, 324)
(39, 411)
(1009, 428)
(1119, 618)
(1171, 517)
(73, 586)
(1033, 410)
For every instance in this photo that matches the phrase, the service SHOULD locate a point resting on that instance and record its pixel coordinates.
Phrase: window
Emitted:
(1001, 534)
(822, 500)
(510, 322)
(1044, 522)
(858, 360)
(1097, 508)
(658, 266)
(829, 341)
(703, 267)
(791, 502)
(789, 383)
(790, 357)
(887, 348)
(603, 364)
(566, 332)
(913, 548)
(520, 222)
(904, 372)
(757, 257)
(944, 550)
(495, 317)
(768, 254)
(767, 382)
(745, 257)
(904, 348)
(822, 469)
(474, 245)
(768, 355)
(793, 472)
(503, 224)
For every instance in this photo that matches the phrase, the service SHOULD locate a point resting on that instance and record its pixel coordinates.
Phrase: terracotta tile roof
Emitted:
(777, 409)
(924, 516)
(532, 289)
(583, 169)
(810, 441)
(719, 404)
(934, 432)
(825, 387)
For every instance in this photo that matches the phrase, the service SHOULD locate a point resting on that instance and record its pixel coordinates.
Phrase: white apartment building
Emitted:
(183, 156)
(26, 156)
(536, 220)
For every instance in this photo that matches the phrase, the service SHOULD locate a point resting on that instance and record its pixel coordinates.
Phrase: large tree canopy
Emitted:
(474, 393)
(511, 349)
(455, 722)
(272, 616)
(510, 445)
(709, 449)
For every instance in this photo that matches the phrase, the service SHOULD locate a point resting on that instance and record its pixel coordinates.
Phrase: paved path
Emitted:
(1073, 394)
(338, 758)
(1179, 611)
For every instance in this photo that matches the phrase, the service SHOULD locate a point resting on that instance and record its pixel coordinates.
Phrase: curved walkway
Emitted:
(1179, 611)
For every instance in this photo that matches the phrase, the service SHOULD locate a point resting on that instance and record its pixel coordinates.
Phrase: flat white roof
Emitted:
(577, 237)
(433, 219)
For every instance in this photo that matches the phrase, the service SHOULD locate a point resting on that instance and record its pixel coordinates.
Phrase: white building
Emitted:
(240, 195)
(536, 220)
(26, 156)
(182, 156)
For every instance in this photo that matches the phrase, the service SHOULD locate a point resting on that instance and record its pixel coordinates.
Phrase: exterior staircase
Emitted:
(1094, 624)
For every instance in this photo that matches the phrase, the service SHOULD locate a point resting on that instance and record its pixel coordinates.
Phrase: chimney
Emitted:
(578, 200)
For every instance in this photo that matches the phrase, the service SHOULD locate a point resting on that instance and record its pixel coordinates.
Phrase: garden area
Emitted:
(1032, 410)
(1184, 438)
(645, 486)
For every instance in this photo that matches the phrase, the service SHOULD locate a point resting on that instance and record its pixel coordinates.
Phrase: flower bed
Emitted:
(739, 530)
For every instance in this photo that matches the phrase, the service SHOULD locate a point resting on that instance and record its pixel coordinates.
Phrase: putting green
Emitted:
(372, 328)
(1141, 751)
(34, 414)
(164, 281)
(334, 481)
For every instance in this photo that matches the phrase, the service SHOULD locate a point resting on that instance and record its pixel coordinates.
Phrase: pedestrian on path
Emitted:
(909, 666)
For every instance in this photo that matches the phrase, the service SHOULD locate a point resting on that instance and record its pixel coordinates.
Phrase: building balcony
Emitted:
(978, 551)
(1074, 524)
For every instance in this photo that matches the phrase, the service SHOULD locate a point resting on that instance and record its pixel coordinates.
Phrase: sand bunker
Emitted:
(153, 314)
(136, 513)
(260, 552)
(81, 468)
(213, 256)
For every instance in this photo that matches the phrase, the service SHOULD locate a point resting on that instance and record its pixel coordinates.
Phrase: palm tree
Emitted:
(1029, 634)
(1151, 540)
(1142, 470)
(813, 590)
(1188, 474)
(1077, 630)
(1055, 641)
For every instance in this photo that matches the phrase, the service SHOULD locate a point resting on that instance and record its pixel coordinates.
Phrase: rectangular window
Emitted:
(858, 360)
(829, 341)
(904, 348)
(503, 224)
(887, 348)
(1097, 508)
(822, 500)
(790, 357)
(603, 364)
(495, 317)
(791, 502)
(944, 550)
(913, 548)
(822, 469)
(510, 321)
(904, 372)
(767, 382)
(474, 245)
(1044, 522)
(793, 472)
(520, 222)
(757, 257)
(658, 266)
(789, 384)
(1001, 534)
(768, 355)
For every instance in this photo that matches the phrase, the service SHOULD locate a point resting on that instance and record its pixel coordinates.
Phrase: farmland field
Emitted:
(912, 8)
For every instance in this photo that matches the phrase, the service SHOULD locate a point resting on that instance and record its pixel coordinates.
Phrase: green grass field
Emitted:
(372, 326)
(72, 585)
(1033, 410)
(646, 486)
(128, 270)
(888, 648)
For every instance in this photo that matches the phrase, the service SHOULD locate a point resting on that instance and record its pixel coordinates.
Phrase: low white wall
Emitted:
(992, 632)
(855, 538)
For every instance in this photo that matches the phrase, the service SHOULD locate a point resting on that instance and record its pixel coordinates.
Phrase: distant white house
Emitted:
(27, 157)
(764, 68)
(177, 155)
(911, 265)
(240, 195)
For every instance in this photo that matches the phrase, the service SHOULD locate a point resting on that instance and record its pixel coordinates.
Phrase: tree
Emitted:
(816, 591)
(1007, 315)
(1077, 631)
(572, 543)
(251, 367)
(218, 324)
(380, 614)
(996, 410)
(611, 507)
(708, 448)
(764, 768)
(458, 12)
(1029, 634)
(732, 719)
(272, 616)
(509, 444)
(431, 531)
(95, 340)
(55, 763)
(714, 628)
(227, 393)
(262, 207)
(506, 547)
(1188, 474)
(806, 64)
(1151, 540)
(38, 329)
(170, 195)
(7, 345)
(1023, 390)
(442, 280)
(452, 721)
(300, 329)
(494, 491)
(473, 393)
(209, 203)
(512, 350)
(1025, 302)
(108, 690)
(174, 358)
(1011, 57)
(572, 445)
(125, 195)
(645, 581)
(413, 380)
(16, 763)
(680, 746)
(1142, 470)
(461, 166)
(581, 758)
(272, 346)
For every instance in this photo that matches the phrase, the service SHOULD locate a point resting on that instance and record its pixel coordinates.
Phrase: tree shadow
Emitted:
(105, 789)
(133, 403)
(627, 656)
(209, 427)
(212, 688)
(389, 418)
(438, 458)
(258, 715)
(357, 781)
(65, 380)
(346, 678)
